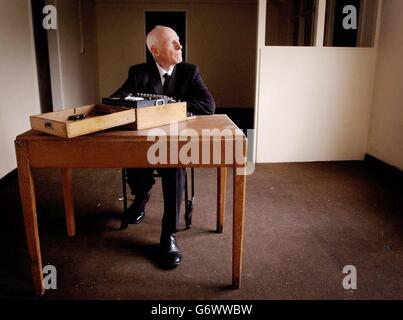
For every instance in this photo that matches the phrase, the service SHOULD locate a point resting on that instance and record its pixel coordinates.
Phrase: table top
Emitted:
(210, 126)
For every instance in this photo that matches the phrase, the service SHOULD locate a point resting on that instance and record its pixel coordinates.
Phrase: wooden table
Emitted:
(216, 136)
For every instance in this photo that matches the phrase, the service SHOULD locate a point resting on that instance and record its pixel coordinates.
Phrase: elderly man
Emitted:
(170, 76)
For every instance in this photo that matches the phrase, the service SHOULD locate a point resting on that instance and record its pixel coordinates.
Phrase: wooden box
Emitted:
(155, 116)
(97, 117)
(100, 117)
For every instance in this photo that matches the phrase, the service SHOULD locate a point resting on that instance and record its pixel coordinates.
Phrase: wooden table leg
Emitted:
(239, 182)
(27, 193)
(221, 194)
(68, 201)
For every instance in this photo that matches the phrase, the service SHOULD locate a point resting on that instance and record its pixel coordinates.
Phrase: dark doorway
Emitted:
(42, 56)
(173, 19)
(341, 36)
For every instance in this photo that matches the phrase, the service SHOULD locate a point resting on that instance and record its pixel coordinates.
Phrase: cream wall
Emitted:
(313, 103)
(74, 75)
(386, 136)
(19, 95)
(221, 40)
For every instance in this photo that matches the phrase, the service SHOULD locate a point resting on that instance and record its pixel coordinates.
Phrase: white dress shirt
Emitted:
(162, 71)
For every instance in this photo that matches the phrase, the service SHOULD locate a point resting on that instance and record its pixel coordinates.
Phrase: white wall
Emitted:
(386, 135)
(313, 103)
(74, 75)
(19, 94)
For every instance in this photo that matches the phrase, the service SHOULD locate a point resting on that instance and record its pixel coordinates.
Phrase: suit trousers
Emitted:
(141, 181)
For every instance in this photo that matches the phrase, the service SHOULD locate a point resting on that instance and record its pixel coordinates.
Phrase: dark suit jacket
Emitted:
(185, 84)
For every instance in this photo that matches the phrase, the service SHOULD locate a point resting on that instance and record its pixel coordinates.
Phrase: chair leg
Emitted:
(188, 213)
(189, 203)
(124, 222)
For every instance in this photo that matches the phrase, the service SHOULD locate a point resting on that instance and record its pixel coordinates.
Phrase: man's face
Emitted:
(169, 50)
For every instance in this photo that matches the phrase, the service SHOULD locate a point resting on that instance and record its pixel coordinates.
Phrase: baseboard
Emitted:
(383, 167)
(9, 176)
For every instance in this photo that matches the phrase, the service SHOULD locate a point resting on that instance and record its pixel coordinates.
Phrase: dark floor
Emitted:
(303, 224)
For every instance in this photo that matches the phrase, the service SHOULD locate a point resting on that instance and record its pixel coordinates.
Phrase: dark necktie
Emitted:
(165, 86)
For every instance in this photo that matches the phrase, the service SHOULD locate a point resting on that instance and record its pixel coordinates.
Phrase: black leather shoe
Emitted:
(136, 213)
(133, 216)
(171, 254)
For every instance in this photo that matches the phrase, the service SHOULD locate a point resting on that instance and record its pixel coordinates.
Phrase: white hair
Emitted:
(152, 38)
